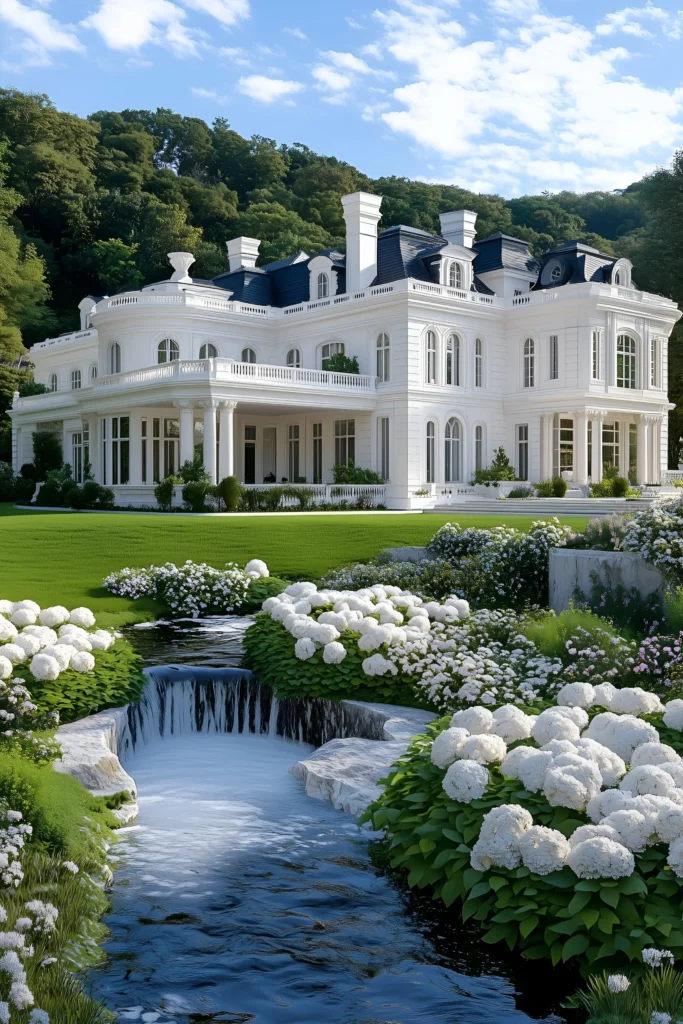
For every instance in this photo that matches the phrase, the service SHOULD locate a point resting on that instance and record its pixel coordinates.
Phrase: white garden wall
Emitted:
(571, 568)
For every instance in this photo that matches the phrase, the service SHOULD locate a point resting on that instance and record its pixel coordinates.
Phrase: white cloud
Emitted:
(517, 9)
(228, 12)
(268, 90)
(542, 106)
(347, 61)
(130, 24)
(208, 94)
(630, 22)
(296, 32)
(236, 55)
(352, 23)
(372, 50)
(44, 33)
(329, 78)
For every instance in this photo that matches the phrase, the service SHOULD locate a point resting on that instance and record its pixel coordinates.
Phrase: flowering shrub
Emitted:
(501, 567)
(560, 832)
(657, 534)
(655, 997)
(430, 579)
(196, 589)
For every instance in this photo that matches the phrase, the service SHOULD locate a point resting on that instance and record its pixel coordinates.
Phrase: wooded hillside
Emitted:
(92, 205)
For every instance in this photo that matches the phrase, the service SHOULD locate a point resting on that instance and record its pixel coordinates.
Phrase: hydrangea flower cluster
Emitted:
(510, 567)
(613, 768)
(38, 918)
(191, 590)
(48, 641)
(657, 534)
(381, 619)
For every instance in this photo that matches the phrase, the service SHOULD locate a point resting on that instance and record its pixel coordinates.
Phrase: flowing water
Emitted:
(237, 898)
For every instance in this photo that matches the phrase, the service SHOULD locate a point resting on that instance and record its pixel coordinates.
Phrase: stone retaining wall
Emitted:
(571, 568)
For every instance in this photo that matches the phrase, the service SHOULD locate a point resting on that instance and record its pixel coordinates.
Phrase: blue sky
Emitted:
(510, 96)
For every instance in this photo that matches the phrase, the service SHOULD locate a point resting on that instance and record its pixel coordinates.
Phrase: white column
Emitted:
(596, 454)
(226, 453)
(210, 438)
(134, 449)
(642, 450)
(581, 448)
(654, 456)
(624, 440)
(186, 432)
(547, 446)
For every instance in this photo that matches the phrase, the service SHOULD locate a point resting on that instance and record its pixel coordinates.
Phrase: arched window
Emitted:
(479, 363)
(93, 373)
(453, 360)
(329, 349)
(75, 380)
(115, 358)
(617, 277)
(208, 351)
(479, 447)
(294, 357)
(453, 451)
(383, 358)
(430, 357)
(52, 383)
(431, 452)
(529, 363)
(168, 351)
(626, 361)
(454, 275)
(555, 272)
(323, 286)
(248, 355)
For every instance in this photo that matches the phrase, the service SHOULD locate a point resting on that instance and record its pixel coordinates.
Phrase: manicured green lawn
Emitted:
(62, 558)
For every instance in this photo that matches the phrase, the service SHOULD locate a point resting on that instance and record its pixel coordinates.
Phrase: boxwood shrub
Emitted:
(596, 923)
(269, 650)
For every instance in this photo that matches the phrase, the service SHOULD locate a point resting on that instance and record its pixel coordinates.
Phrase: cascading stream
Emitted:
(238, 898)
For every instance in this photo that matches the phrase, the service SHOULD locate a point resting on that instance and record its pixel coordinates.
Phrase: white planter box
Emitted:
(571, 568)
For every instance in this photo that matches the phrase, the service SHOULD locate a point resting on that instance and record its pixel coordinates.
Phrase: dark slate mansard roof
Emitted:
(578, 262)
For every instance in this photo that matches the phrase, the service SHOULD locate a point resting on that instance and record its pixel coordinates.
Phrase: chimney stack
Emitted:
(458, 227)
(242, 252)
(361, 213)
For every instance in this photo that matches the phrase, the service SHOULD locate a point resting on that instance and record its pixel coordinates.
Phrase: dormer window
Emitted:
(454, 275)
(555, 273)
(621, 274)
(323, 286)
(617, 278)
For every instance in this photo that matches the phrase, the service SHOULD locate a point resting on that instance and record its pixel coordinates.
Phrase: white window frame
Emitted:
(329, 349)
(76, 380)
(629, 362)
(323, 286)
(452, 355)
(522, 439)
(317, 453)
(383, 446)
(655, 367)
(479, 446)
(294, 451)
(529, 363)
(293, 358)
(478, 363)
(92, 373)
(596, 361)
(430, 346)
(114, 358)
(430, 451)
(453, 448)
(344, 442)
(208, 350)
(168, 351)
(455, 275)
(53, 382)
(248, 355)
(554, 357)
(383, 350)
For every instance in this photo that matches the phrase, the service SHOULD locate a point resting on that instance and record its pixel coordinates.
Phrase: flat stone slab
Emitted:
(90, 753)
(347, 771)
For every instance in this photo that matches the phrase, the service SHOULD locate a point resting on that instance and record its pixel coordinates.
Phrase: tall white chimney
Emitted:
(243, 252)
(458, 227)
(361, 213)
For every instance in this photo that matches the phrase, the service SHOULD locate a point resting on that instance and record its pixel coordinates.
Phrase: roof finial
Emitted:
(181, 263)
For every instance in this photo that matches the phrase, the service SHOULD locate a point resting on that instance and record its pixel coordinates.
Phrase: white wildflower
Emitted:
(600, 858)
(543, 850)
(465, 781)
(447, 745)
(618, 983)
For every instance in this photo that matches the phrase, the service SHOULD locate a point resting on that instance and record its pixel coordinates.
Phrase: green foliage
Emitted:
(633, 613)
(551, 632)
(433, 579)
(559, 487)
(340, 363)
(268, 650)
(353, 474)
(91, 495)
(659, 990)
(116, 679)
(521, 492)
(194, 472)
(230, 491)
(500, 469)
(261, 501)
(544, 489)
(7, 482)
(114, 263)
(593, 923)
(304, 495)
(164, 491)
(195, 495)
(47, 453)
(24, 489)
(620, 487)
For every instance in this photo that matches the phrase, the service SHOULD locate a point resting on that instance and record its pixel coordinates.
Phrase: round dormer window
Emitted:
(553, 273)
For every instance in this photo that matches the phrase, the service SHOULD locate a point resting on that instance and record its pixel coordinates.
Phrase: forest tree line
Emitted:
(93, 205)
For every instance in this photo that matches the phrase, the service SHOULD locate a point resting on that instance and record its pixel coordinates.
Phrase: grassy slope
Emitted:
(62, 558)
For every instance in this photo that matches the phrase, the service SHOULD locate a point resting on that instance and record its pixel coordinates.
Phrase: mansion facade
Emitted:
(463, 346)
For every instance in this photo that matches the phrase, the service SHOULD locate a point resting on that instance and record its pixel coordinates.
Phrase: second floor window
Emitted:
(323, 286)
(52, 383)
(479, 363)
(294, 357)
(115, 358)
(529, 363)
(248, 355)
(595, 355)
(383, 358)
(168, 351)
(430, 358)
(208, 351)
(329, 349)
(75, 380)
(453, 360)
(454, 275)
(626, 361)
(654, 362)
(554, 357)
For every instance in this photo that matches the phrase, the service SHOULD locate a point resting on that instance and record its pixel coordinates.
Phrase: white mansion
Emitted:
(462, 345)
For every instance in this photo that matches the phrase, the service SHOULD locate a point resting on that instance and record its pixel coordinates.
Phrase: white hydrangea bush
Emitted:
(656, 533)
(570, 800)
(191, 590)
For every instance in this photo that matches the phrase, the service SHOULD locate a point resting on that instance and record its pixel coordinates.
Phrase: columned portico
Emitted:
(186, 418)
(210, 437)
(643, 449)
(597, 418)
